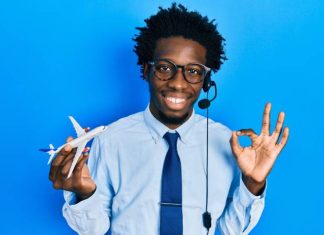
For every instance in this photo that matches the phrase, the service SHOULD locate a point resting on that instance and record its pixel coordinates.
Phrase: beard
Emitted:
(173, 120)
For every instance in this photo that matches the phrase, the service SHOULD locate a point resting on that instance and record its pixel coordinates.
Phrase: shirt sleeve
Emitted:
(242, 212)
(92, 216)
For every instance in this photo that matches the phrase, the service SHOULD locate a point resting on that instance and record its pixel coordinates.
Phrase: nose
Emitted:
(178, 81)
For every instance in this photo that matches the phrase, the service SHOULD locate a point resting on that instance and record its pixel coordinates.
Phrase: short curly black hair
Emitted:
(178, 21)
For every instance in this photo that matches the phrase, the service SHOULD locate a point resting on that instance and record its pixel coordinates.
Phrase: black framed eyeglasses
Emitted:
(165, 70)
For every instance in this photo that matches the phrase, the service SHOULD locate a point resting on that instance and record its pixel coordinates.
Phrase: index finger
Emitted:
(266, 119)
(67, 148)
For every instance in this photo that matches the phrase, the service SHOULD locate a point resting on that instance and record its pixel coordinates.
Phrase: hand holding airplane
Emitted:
(68, 169)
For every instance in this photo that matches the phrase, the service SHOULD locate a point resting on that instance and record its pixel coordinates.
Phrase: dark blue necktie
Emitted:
(171, 190)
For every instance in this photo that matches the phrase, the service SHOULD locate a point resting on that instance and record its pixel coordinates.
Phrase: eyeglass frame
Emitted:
(177, 66)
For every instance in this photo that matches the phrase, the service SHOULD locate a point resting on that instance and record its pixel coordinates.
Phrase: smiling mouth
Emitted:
(175, 100)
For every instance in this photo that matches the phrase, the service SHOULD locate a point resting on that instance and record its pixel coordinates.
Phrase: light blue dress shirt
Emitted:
(126, 163)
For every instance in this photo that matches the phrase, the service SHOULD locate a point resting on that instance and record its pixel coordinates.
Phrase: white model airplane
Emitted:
(79, 143)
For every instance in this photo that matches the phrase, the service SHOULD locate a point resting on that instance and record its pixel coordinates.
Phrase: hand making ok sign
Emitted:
(257, 160)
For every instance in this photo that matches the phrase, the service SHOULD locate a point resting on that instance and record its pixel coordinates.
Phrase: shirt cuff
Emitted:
(86, 204)
(246, 197)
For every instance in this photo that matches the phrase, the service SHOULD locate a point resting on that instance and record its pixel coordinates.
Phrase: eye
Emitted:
(163, 68)
(194, 71)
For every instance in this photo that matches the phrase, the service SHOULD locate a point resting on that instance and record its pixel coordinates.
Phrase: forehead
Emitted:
(180, 50)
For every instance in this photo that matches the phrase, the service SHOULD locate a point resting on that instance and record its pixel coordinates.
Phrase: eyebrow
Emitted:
(165, 58)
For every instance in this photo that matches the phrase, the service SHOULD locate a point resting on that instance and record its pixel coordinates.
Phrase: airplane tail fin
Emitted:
(52, 154)
(51, 151)
(51, 147)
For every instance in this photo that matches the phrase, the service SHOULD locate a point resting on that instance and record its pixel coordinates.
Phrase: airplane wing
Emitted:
(78, 129)
(77, 156)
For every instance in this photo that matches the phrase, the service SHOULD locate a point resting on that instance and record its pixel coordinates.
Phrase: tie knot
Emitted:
(171, 138)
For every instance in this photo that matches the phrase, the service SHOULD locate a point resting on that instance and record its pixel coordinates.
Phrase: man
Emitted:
(147, 173)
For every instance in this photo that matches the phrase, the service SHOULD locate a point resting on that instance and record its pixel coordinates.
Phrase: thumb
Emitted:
(235, 145)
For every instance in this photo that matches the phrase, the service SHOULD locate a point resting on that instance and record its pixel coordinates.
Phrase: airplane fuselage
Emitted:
(88, 136)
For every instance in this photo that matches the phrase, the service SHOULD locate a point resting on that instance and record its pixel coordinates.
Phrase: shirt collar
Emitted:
(158, 129)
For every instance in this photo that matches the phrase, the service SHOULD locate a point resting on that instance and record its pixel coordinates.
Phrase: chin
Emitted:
(173, 118)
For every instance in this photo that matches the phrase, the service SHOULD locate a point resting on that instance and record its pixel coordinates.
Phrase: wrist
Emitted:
(255, 187)
(85, 195)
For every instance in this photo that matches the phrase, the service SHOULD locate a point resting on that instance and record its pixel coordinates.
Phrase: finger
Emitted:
(284, 139)
(86, 150)
(248, 132)
(251, 134)
(66, 165)
(55, 172)
(266, 120)
(57, 161)
(235, 145)
(55, 166)
(79, 166)
(67, 148)
(278, 128)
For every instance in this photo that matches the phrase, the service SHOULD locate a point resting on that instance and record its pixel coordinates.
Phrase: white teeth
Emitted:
(175, 100)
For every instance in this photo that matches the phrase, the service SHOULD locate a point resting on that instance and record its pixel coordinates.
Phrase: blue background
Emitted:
(60, 58)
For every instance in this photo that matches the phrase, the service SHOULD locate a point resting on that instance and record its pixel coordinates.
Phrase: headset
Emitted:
(208, 83)
(204, 104)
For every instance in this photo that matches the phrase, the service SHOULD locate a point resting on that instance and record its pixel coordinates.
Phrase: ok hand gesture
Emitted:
(257, 160)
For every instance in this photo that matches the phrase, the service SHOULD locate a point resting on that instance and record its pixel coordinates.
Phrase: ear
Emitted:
(146, 71)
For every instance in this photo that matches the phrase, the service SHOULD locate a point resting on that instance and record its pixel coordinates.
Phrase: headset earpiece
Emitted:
(207, 83)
